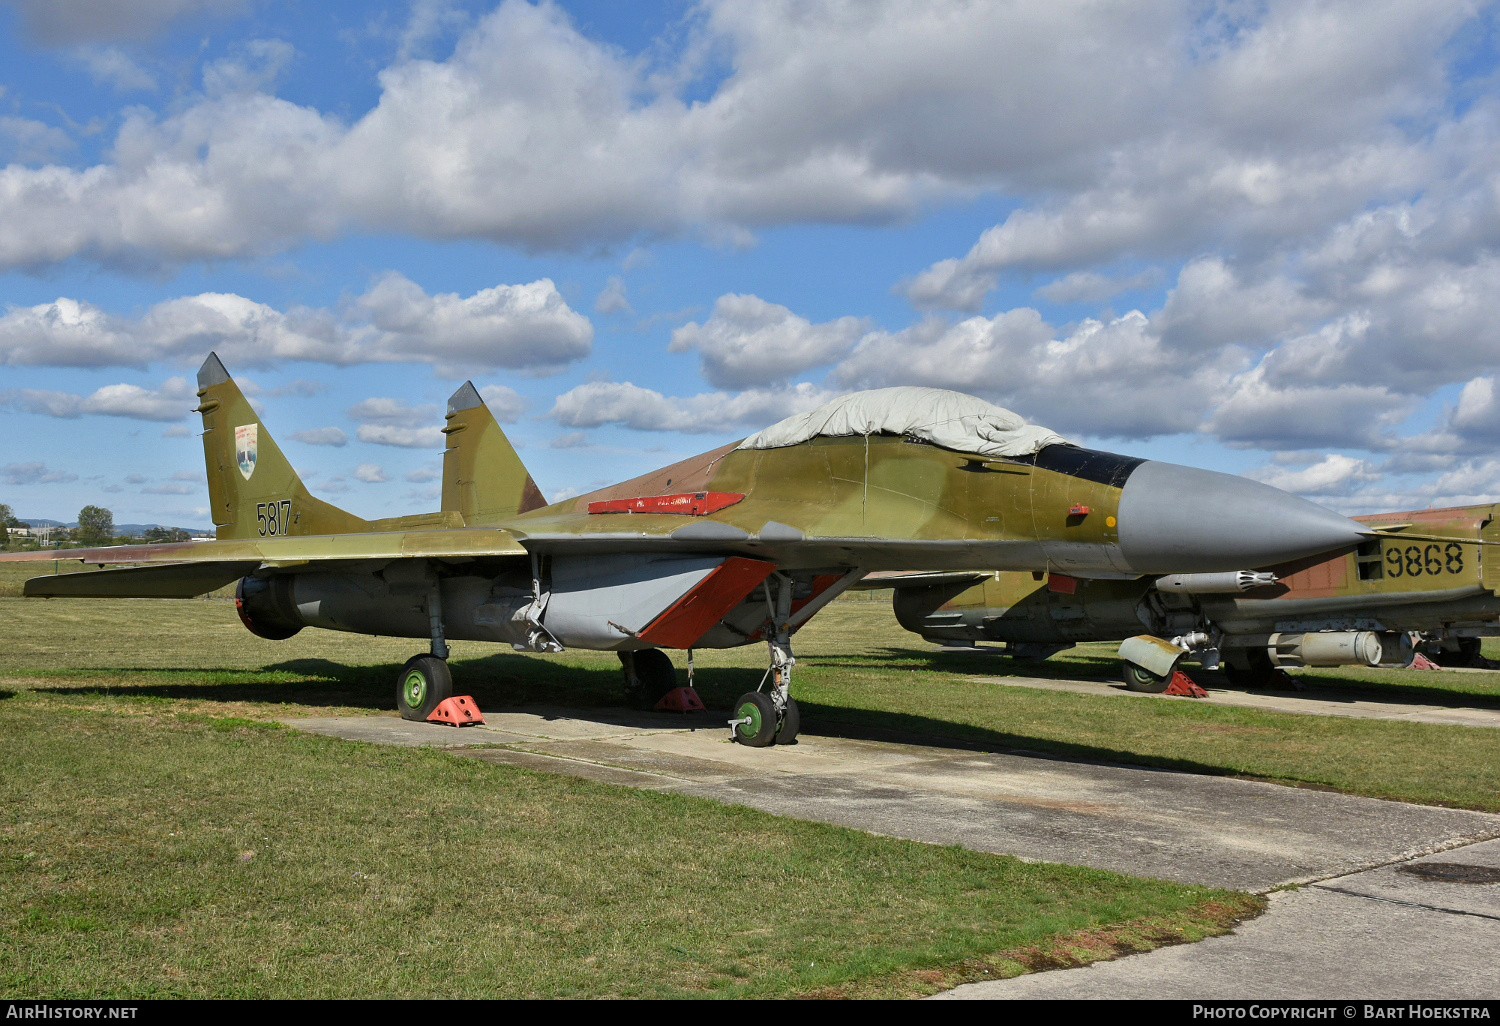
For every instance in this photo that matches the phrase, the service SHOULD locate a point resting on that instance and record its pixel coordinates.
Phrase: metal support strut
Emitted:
(538, 638)
(435, 619)
(779, 642)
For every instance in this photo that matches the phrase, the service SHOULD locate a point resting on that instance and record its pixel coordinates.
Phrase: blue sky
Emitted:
(1257, 237)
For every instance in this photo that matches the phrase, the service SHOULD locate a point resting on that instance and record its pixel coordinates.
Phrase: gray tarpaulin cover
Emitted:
(952, 420)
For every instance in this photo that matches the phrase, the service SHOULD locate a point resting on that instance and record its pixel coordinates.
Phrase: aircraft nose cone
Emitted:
(1184, 520)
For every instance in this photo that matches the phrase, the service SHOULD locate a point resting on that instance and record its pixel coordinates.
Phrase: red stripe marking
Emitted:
(690, 617)
(692, 504)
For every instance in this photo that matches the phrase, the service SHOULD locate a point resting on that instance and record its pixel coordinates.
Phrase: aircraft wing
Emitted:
(453, 544)
(186, 569)
(170, 580)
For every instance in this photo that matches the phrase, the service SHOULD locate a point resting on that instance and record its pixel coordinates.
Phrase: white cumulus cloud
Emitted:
(516, 326)
(172, 401)
(748, 341)
(607, 402)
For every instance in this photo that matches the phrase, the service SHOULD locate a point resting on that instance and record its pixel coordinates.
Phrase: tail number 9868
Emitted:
(1431, 559)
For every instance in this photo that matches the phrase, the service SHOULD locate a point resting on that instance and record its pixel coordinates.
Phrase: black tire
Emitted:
(791, 724)
(1253, 669)
(421, 685)
(1467, 654)
(1138, 678)
(761, 730)
(654, 669)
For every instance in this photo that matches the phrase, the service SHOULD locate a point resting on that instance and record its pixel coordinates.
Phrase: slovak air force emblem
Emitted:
(244, 448)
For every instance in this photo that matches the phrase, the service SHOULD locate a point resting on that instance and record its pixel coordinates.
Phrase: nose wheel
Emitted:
(769, 716)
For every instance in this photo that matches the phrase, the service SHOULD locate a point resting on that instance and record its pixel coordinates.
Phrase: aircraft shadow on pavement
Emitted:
(505, 681)
(1322, 687)
(502, 680)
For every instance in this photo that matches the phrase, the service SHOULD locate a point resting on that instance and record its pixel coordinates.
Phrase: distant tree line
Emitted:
(96, 526)
(7, 521)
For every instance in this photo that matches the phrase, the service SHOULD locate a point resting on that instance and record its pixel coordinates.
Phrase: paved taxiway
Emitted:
(1196, 829)
(1313, 700)
(1387, 933)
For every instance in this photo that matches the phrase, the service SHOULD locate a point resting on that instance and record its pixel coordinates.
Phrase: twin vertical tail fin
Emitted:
(483, 479)
(253, 491)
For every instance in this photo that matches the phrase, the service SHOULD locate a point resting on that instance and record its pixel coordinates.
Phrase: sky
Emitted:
(1258, 237)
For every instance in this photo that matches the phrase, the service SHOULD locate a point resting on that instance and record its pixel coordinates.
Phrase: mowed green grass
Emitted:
(161, 835)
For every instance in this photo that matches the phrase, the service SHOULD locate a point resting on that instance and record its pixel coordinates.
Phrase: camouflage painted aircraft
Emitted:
(1428, 572)
(739, 545)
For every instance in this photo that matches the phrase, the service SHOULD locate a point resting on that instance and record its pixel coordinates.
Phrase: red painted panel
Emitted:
(690, 617)
(1062, 584)
(694, 504)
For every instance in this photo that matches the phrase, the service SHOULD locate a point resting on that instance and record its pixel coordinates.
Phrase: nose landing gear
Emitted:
(762, 717)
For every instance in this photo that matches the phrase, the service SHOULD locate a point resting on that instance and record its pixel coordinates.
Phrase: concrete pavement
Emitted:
(1178, 826)
(1384, 934)
(1314, 701)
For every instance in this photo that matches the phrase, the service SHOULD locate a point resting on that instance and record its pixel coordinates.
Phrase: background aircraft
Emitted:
(739, 545)
(1430, 571)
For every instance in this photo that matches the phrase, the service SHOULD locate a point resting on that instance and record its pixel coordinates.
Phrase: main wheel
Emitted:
(1468, 652)
(423, 682)
(1253, 669)
(791, 724)
(757, 708)
(1138, 678)
(654, 669)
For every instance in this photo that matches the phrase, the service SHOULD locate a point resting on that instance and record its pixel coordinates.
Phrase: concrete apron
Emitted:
(1363, 929)
(1385, 934)
(1313, 701)
(1178, 826)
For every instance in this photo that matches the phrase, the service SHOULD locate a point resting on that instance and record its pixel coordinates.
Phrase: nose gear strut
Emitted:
(764, 717)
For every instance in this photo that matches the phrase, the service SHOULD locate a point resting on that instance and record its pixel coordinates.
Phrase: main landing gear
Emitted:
(763, 717)
(649, 675)
(425, 681)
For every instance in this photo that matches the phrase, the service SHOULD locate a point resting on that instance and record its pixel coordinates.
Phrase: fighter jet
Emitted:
(736, 546)
(1430, 574)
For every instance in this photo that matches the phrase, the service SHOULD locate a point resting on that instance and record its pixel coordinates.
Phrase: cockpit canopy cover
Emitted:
(951, 420)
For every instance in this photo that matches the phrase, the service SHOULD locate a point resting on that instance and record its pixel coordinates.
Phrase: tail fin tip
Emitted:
(212, 372)
(466, 398)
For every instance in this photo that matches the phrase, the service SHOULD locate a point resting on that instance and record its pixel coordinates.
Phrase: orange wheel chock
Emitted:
(1184, 685)
(680, 700)
(458, 711)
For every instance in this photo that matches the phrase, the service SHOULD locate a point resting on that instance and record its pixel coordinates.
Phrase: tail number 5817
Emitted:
(271, 517)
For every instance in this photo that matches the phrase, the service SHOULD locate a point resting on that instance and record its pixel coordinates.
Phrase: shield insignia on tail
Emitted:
(244, 448)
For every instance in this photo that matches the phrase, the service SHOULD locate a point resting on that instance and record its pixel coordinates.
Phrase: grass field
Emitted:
(161, 834)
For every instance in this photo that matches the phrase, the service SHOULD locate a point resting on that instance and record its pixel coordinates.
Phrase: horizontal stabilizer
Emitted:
(172, 580)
